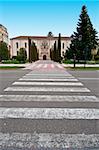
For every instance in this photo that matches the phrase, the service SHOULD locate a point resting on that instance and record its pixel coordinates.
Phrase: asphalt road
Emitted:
(89, 78)
(46, 107)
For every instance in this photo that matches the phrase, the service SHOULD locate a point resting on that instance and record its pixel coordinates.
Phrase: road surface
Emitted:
(47, 107)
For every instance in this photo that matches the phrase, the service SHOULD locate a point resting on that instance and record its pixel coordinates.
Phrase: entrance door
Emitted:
(44, 57)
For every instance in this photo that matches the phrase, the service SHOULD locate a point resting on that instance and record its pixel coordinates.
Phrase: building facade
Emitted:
(43, 43)
(4, 34)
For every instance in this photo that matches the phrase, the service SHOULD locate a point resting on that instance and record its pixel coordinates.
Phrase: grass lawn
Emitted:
(11, 67)
(82, 68)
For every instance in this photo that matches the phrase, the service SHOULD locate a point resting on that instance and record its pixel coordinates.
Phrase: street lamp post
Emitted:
(74, 60)
(74, 56)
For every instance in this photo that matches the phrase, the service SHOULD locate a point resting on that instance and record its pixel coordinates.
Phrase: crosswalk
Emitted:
(48, 110)
(44, 66)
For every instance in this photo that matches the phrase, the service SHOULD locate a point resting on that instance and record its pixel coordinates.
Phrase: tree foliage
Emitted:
(22, 55)
(50, 34)
(4, 53)
(56, 52)
(84, 39)
(33, 52)
(59, 48)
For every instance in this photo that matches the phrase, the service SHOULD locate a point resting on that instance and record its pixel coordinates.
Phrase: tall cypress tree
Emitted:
(55, 52)
(33, 51)
(29, 45)
(59, 48)
(84, 39)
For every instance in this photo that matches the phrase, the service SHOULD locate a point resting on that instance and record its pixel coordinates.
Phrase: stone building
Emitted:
(43, 43)
(4, 34)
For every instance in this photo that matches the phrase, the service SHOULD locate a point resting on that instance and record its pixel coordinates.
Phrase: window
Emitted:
(63, 45)
(16, 44)
(25, 45)
(63, 53)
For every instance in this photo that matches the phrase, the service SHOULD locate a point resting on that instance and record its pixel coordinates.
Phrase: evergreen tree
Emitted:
(59, 49)
(55, 52)
(50, 34)
(29, 45)
(4, 53)
(22, 55)
(33, 52)
(84, 39)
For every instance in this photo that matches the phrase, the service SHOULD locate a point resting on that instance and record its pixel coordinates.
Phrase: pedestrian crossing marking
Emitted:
(49, 83)
(49, 113)
(45, 66)
(50, 140)
(49, 89)
(49, 79)
(39, 66)
(48, 98)
(59, 75)
(52, 66)
(59, 66)
(35, 65)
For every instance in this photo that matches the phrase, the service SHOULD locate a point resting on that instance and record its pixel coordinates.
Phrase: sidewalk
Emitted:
(80, 65)
(19, 65)
(64, 65)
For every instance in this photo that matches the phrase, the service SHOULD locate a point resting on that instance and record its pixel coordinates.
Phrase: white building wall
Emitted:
(38, 42)
(21, 44)
(66, 45)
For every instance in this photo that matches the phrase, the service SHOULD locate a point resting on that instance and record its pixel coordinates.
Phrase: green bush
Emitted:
(91, 62)
(97, 57)
(97, 61)
(22, 55)
(13, 61)
(68, 61)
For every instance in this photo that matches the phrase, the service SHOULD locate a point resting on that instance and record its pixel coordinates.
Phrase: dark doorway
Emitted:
(44, 57)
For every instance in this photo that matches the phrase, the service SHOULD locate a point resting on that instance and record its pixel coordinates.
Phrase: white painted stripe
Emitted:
(49, 89)
(61, 80)
(52, 66)
(49, 140)
(45, 66)
(30, 66)
(49, 113)
(48, 76)
(52, 98)
(49, 83)
(59, 66)
(33, 74)
(38, 66)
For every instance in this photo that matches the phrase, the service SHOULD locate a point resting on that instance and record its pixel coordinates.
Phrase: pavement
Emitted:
(46, 107)
(27, 65)
(80, 65)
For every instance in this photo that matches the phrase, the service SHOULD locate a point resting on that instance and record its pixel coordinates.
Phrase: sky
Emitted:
(38, 17)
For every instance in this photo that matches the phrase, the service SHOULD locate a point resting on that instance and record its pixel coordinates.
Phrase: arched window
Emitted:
(63, 45)
(25, 45)
(16, 44)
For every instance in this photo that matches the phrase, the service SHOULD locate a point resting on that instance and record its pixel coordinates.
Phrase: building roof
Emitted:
(39, 37)
(1, 26)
